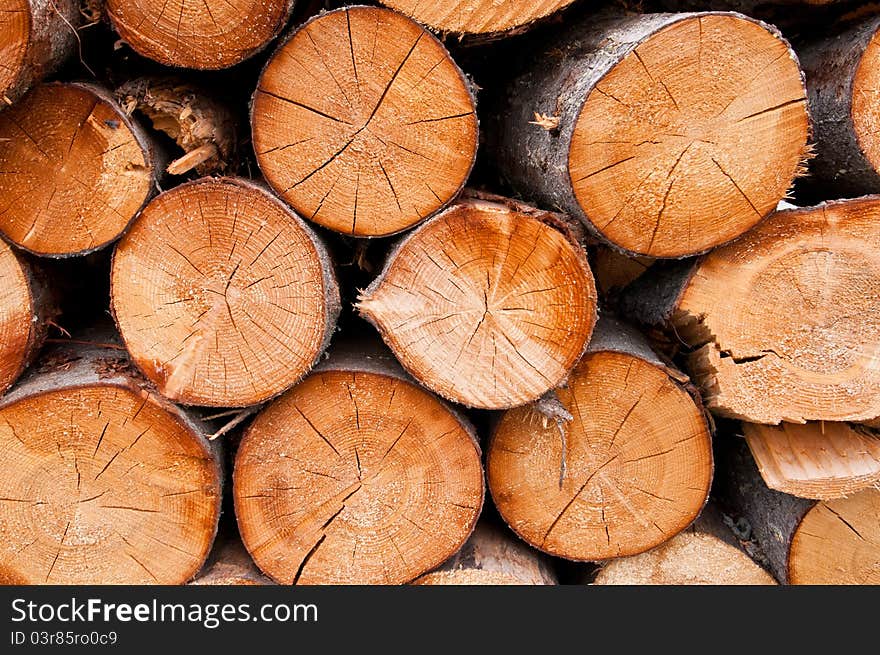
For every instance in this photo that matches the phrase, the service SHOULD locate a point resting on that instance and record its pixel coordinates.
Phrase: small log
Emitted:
(37, 37)
(230, 564)
(816, 460)
(804, 541)
(363, 123)
(704, 554)
(615, 271)
(485, 19)
(75, 170)
(489, 304)
(27, 306)
(223, 296)
(843, 75)
(356, 475)
(492, 556)
(629, 471)
(202, 126)
(653, 129)
(784, 320)
(212, 36)
(104, 481)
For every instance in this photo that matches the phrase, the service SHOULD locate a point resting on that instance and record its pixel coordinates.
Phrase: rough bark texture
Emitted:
(39, 35)
(492, 556)
(536, 119)
(121, 527)
(198, 123)
(846, 156)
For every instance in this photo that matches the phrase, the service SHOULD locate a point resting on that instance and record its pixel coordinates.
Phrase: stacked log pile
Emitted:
(469, 292)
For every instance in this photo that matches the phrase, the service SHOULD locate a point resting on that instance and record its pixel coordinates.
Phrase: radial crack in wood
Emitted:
(224, 297)
(487, 304)
(74, 170)
(356, 475)
(664, 121)
(639, 457)
(363, 123)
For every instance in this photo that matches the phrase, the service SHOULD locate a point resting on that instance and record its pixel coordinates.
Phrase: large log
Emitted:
(214, 34)
(492, 556)
(104, 481)
(804, 541)
(629, 471)
(784, 320)
(653, 129)
(27, 305)
(363, 123)
(816, 460)
(36, 37)
(356, 475)
(843, 75)
(223, 296)
(74, 169)
(489, 304)
(485, 19)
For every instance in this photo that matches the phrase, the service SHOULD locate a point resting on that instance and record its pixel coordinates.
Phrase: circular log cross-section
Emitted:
(214, 34)
(224, 297)
(655, 129)
(485, 304)
(630, 470)
(75, 170)
(23, 310)
(786, 319)
(36, 36)
(363, 123)
(103, 483)
(690, 558)
(484, 17)
(838, 542)
(356, 477)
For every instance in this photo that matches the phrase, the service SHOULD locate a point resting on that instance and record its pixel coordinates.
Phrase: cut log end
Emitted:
(488, 306)
(103, 485)
(679, 129)
(355, 477)
(636, 462)
(838, 542)
(222, 295)
(786, 323)
(476, 16)
(216, 36)
(17, 329)
(15, 33)
(865, 107)
(363, 123)
(690, 558)
(75, 170)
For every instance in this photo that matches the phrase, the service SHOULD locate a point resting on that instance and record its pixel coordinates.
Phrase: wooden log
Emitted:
(203, 127)
(104, 481)
(210, 37)
(704, 554)
(783, 320)
(629, 471)
(75, 170)
(804, 541)
(653, 129)
(27, 305)
(37, 37)
(492, 556)
(615, 271)
(356, 475)
(363, 123)
(489, 304)
(230, 564)
(223, 296)
(843, 75)
(484, 19)
(816, 460)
